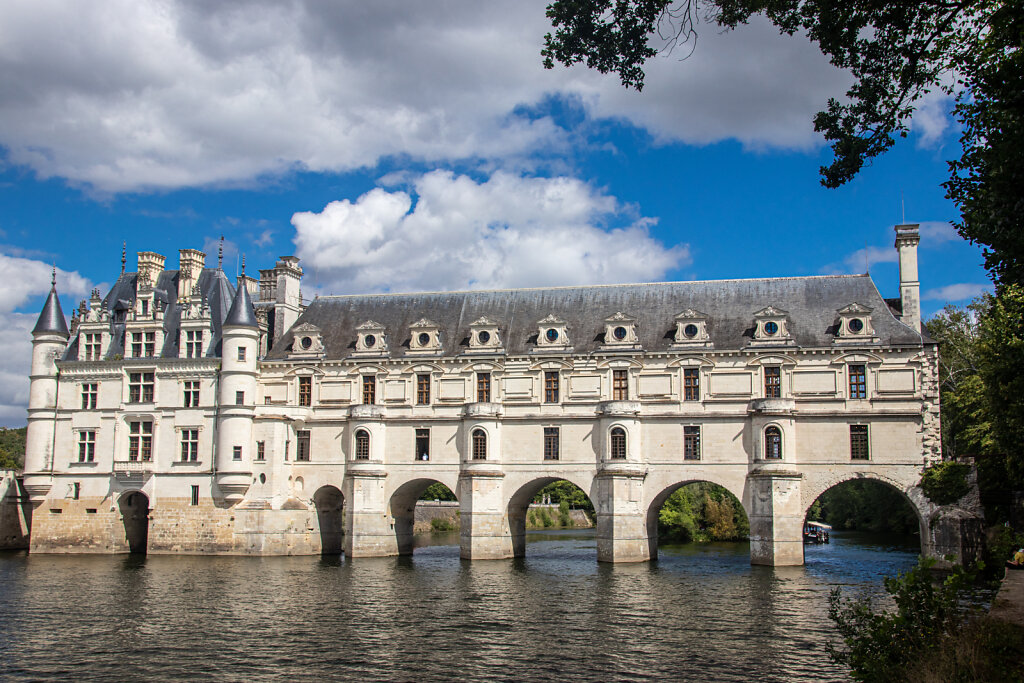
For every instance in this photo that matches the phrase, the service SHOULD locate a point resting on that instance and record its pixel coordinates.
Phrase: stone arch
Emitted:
(134, 508)
(329, 502)
(519, 502)
(654, 507)
(402, 507)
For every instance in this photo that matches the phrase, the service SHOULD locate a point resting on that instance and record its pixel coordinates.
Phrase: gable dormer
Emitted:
(307, 341)
(552, 334)
(485, 336)
(371, 339)
(93, 329)
(195, 330)
(854, 324)
(692, 329)
(424, 337)
(620, 332)
(771, 326)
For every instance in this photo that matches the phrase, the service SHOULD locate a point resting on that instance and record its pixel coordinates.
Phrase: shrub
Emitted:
(442, 524)
(945, 482)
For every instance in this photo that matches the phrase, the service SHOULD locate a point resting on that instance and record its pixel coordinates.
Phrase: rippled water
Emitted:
(700, 613)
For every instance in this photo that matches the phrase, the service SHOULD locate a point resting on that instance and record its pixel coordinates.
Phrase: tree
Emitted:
(12, 448)
(897, 52)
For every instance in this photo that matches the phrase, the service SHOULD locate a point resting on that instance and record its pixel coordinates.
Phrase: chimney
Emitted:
(288, 304)
(150, 266)
(190, 266)
(907, 238)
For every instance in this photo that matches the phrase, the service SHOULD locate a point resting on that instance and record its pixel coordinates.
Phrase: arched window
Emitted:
(362, 445)
(479, 444)
(618, 443)
(772, 443)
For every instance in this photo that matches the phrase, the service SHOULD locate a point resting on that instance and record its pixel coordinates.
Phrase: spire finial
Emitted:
(124, 255)
(53, 277)
(243, 265)
(220, 253)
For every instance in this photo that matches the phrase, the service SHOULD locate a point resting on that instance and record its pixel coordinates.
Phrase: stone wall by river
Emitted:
(429, 510)
(14, 513)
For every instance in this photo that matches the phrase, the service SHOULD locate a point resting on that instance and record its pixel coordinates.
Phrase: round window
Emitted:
(856, 325)
(306, 342)
(552, 335)
(424, 339)
(369, 340)
(620, 333)
(483, 336)
(771, 327)
(690, 330)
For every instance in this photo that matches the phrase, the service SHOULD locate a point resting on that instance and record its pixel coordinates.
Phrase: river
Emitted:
(700, 613)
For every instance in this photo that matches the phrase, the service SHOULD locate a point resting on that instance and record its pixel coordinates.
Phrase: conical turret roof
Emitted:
(51, 319)
(241, 313)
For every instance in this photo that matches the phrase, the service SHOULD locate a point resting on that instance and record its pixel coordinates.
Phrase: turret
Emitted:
(240, 336)
(49, 339)
(907, 238)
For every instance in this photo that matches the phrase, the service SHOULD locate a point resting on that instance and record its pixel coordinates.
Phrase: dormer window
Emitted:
(691, 329)
(370, 338)
(552, 334)
(306, 341)
(484, 335)
(854, 324)
(620, 331)
(771, 326)
(424, 337)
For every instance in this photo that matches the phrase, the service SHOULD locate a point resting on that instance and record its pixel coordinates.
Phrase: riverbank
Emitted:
(442, 516)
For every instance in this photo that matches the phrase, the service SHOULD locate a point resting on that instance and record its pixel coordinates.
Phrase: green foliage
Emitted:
(1002, 372)
(865, 505)
(877, 645)
(946, 482)
(703, 512)
(985, 649)
(561, 490)
(438, 491)
(442, 524)
(12, 448)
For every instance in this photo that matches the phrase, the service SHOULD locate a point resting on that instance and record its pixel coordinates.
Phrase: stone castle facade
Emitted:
(184, 413)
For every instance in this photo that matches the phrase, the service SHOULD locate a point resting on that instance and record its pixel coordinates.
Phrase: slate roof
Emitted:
(811, 303)
(241, 313)
(51, 318)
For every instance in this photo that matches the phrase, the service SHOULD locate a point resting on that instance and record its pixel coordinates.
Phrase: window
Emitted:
(773, 382)
(143, 344)
(305, 391)
(423, 390)
(551, 387)
(858, 381)
(551, 443)
(145, 306)
(89, 396)
(239, 398)
(92, 346)
(483, 387)
(691, 442)
(193, 343)
(369, 390)
(772, 443)
(236, 452)
(195, 495)
(691, 384)
(423, 444)
(87, 446)
(76, 490)
(859, 442)
(362, 445)
(618, 443)
(189, 445)
(261, 450)
(140, 387)
(302, 445)
(140, 441)
(191, 393)
(620, 385)
(241, 353)
(479, 444)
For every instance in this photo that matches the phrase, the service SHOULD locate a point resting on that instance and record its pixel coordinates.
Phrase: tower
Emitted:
(49, 339)
(238, 380)
(907, 238)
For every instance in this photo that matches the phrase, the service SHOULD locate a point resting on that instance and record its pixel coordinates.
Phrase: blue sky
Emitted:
(397, 147)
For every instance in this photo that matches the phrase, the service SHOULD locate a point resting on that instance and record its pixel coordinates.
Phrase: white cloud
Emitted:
(934, 233)
(958, 292)
(457, 233)
(128, 95)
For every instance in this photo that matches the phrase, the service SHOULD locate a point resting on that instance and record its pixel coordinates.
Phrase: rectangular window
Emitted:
(620, 385)
(193, 343)
(89, 391)
(195, 495)
(858, 381)
(239, 398)
(551, 443)
(76, 491)
(140, 387)
(145, 306)
(423, 390)
(261, 450)
(236, 452)
(369, 390)
(302, 445)
(149, 344)
(423, 444)
(189, 445)
(92, 346)
(483, 387)
(87, 446)
(691, 443)
(691, 384)
(773, 382)
(551, 387)
(140, 441)
(859, 442)
(191, 388)
(305, 391)
(136, 345)
(241, 353)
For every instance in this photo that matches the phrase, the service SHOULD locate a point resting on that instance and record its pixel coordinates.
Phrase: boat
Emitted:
(816, 532)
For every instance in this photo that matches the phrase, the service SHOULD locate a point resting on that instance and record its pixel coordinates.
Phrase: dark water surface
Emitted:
(699, 613)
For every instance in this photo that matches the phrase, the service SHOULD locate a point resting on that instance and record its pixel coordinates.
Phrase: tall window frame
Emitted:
(190, 444)
(302, 445)
(691, 442)
(140, 441)
(190, 396)
(551, 386)
(87, 445)
(193, 343)
(421, 449)
(483, 387)
(860, 442)
(93, 345)
(772, 381)
(617, 443)
(369, 389)
(772, 443)
(551, 444)
(423, 389)
(620, 385)
(141, 387)
(362, 443)
(691, 384)
(305, 391)
(858, 380)
(90, 391)
(479, 444)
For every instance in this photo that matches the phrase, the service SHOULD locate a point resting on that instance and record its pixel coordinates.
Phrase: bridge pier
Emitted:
(776, 517)
(484, 527)
(622, 534)
(369, 528)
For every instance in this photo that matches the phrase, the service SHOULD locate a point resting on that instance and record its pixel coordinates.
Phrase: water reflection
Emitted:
(701, 612)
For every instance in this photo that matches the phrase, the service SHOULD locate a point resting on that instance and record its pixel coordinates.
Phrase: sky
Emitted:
(398, 146)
